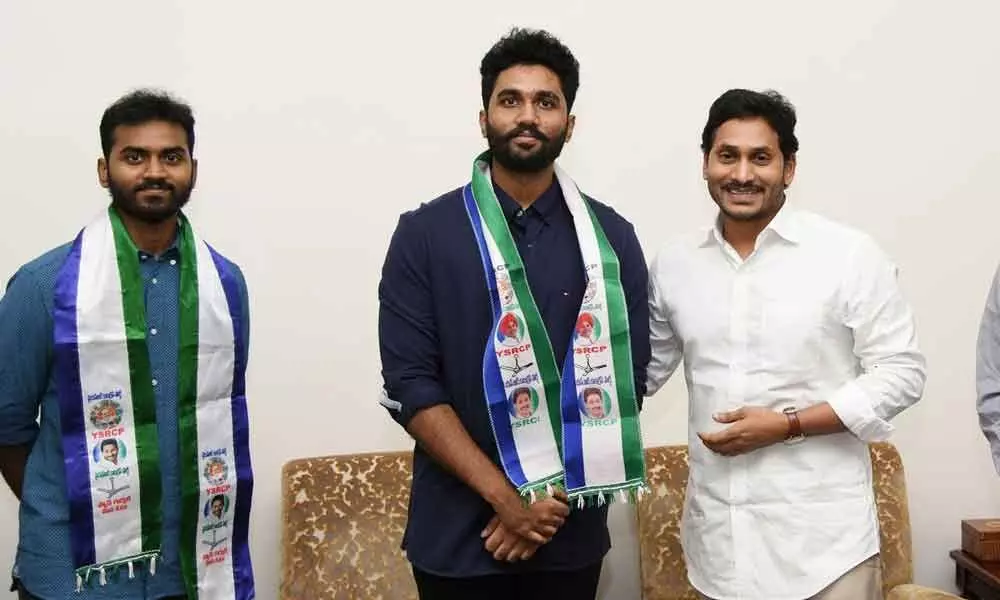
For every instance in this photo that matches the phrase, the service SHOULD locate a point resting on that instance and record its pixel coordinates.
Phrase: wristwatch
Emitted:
(794, 426)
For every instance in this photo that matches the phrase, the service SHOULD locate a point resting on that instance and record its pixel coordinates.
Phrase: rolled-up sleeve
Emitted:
(408, 338)
(892, 368)
(666, 347)
(988, 370)
(25, 342)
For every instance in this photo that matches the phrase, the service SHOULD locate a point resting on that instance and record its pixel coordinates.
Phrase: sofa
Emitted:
(343, 518)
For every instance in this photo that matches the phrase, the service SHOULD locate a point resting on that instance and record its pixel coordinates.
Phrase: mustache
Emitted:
(738, 188)
(154, 184)
(529, 130)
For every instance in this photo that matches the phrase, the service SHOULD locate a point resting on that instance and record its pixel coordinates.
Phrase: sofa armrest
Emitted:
(910, 591)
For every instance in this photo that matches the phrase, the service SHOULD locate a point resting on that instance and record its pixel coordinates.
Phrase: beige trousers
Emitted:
(863, 582)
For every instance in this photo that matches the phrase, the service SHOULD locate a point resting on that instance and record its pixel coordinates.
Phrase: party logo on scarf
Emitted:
(588, 330)
(523, 404)
(216, 470)
(216, 508)
(510, 330)
(109, 453)
(595, 405)
(590, 292)
(215, 523)
(506, 292)
(105, 414)
(111, 473)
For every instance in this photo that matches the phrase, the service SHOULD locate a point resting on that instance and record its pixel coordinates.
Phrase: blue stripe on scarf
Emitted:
(74, 429)
(492, 380)
(242, 567)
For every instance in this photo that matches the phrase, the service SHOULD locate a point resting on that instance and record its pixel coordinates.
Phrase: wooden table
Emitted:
(976, 580)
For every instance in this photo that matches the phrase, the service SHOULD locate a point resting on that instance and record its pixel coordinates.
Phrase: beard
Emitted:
(509, 157)
(772, 201)
(151, 211)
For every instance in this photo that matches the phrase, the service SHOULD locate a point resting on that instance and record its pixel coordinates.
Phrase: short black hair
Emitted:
(745, 104)
(530, 47)
(111, 442)
(219, 497)
(142, 106)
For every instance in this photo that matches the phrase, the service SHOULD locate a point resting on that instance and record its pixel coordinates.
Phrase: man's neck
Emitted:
(524, 188)
(742, 235)
(151, 238)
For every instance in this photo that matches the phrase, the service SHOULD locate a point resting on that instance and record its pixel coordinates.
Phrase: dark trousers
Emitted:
(548, 585)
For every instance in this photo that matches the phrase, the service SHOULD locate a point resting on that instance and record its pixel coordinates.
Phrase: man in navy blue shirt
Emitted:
(147, 166)
(469, 534)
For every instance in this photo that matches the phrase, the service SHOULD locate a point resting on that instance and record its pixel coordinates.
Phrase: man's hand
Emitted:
(753, 427)
(507, 546)
(536, 523)
(504, 541)
(13, 461)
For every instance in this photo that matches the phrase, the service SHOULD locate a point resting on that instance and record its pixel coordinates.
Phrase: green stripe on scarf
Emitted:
(187, 394)
(140, 374)
(621, 344)
(495, 220)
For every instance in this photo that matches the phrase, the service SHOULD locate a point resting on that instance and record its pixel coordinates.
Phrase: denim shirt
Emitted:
(44, 563)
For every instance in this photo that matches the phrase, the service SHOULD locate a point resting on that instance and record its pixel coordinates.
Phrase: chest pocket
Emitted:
(796, 317)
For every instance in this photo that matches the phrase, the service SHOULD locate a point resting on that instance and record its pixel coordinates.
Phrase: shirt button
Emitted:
(172, 262)
(153, 331)
(143, 257)
(154, 281)
(155, 382)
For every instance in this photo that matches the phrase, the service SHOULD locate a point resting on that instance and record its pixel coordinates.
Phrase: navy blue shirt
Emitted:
(434, 320)
(44, 563)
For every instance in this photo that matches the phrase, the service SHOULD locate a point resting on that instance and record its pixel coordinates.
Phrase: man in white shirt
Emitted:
(798, 350)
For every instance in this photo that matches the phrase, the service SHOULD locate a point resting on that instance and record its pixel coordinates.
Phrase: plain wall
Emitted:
(318, 123)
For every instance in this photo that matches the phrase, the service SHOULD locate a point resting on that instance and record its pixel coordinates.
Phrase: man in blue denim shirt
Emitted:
(148, 141)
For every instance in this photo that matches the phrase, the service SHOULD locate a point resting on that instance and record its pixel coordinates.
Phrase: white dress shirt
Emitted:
(813, 315)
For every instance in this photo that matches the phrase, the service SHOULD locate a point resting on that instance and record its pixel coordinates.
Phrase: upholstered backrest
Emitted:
(344, 516)
(342, 520)
(893, 515)
(659, 513)
(661, 561)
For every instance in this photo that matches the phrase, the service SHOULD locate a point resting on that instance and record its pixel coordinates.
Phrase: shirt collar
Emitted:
(172, 251)
(544, 206)
(786, 225)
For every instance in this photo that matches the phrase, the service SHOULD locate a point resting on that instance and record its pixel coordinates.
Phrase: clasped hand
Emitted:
(753, 427)
(517, 531)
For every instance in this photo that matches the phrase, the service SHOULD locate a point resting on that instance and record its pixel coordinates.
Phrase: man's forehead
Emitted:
(151, 135)
(746, 133)
(529, 80)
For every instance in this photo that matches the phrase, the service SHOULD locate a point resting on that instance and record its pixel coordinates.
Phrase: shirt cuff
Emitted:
(404, 401)
(855, 411)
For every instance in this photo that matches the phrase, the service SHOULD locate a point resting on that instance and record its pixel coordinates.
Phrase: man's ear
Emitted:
(102, 173)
